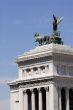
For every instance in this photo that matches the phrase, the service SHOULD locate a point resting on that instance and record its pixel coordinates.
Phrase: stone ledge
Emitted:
(18, 81)
(45, 50)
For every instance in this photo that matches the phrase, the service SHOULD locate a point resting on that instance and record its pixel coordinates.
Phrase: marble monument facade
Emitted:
(45, 79)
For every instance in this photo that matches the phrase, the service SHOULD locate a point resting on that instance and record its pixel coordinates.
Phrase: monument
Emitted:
(45, 79)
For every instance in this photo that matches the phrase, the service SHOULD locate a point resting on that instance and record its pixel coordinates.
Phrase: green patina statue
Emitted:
(56, 23)
(55, 37)
(42, 40)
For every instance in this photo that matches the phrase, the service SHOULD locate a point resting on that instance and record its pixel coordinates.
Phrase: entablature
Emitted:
(58, 80)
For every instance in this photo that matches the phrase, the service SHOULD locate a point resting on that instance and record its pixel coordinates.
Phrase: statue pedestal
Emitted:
(45, 79)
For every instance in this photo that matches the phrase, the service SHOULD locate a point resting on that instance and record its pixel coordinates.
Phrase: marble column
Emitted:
(25, 100)
(60, 104)
(47, 98)
(33, 99)
(67, 99)
(40, 98)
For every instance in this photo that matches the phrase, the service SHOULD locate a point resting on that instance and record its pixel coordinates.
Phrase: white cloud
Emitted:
(5, 104)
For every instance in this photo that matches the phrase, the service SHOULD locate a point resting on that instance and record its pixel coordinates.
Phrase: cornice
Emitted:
(18, 81)
(40, 81)
(44, 51)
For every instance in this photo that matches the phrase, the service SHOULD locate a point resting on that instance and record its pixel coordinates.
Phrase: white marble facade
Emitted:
(45, 79)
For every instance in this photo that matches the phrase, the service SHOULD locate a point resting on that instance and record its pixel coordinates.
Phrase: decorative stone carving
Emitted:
(37, 71)
(63, 70)
(71, 70)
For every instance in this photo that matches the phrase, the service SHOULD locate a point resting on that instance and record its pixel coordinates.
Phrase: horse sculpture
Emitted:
(41, 39)
(55, 38)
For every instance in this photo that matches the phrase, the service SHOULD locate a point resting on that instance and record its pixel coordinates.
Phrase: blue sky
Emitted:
(19, 20)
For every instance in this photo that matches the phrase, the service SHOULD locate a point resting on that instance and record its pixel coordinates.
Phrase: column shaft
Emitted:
(40, 99)
(60, 104)
(25, 100)
(47, 98)
(67, 99)
(33, 100)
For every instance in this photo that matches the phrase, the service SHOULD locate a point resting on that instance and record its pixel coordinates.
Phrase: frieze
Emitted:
(31, 83)
(35, 84)
(59, 80)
